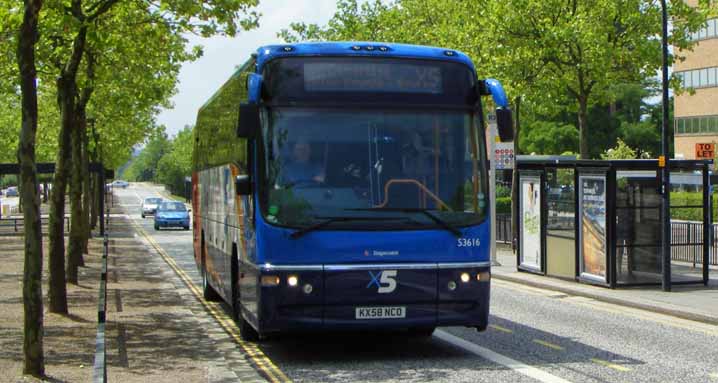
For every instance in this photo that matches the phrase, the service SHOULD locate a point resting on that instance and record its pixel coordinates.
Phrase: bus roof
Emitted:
(347, 48)
(357, 48)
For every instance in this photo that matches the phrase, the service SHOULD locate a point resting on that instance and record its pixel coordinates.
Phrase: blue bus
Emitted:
(343, 186)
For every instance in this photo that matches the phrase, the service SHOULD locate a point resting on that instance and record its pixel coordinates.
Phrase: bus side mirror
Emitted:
(243, 185)
(505, 124)
(248, 123)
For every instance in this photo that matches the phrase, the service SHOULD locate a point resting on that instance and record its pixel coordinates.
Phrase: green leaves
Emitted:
(139, 47)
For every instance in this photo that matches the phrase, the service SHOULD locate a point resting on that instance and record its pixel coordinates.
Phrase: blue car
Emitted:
(172, 214)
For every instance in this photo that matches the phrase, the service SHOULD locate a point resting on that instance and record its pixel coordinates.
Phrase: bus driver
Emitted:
(299, 169)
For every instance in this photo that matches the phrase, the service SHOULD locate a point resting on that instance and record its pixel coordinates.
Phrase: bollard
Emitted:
(99, 372)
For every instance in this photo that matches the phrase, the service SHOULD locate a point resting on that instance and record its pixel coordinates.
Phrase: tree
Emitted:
(144, 166)
(85, 22)
(584, 48)
(176, 164)
(546, 137)
(620, 152)
(34, 363)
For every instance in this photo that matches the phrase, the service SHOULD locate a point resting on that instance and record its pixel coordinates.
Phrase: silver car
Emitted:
(149, 206)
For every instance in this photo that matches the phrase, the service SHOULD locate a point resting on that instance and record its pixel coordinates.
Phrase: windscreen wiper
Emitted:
(445, 225)
(329, 220)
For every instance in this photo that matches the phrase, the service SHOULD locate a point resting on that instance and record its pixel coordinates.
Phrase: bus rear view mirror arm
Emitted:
(248, 123)
(243, 185)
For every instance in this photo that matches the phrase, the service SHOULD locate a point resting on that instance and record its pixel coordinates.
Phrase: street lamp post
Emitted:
(663, 162)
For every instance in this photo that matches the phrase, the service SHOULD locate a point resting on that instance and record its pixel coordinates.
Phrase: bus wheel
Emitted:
(207, 290)
(422, 331)
(246, 331)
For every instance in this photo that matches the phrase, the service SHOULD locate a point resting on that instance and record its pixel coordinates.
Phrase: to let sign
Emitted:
(705, 151)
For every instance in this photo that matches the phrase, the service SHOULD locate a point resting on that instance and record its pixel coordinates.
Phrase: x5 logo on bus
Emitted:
(385, 281)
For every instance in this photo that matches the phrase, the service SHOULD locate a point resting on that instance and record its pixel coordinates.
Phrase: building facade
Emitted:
(696, 115)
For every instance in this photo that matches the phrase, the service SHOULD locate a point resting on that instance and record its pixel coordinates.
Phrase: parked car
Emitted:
(11, 191)
(149, 206)
(172, 214)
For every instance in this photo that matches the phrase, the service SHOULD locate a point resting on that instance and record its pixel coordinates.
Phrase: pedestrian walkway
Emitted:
(157, 330)
(697, 302)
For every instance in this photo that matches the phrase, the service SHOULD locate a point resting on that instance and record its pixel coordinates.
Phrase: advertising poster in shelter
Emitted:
(593, 245)
(530, 222)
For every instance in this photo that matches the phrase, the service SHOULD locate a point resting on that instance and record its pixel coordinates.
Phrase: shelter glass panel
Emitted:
(638, 227)
(686, 225)
(561, 224)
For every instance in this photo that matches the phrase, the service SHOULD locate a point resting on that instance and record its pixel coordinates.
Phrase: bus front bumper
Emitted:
(335, 298)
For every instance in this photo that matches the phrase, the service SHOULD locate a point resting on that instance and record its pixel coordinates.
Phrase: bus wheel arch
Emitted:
(246, 331)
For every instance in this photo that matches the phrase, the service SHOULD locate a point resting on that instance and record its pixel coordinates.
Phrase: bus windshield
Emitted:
(322, 163)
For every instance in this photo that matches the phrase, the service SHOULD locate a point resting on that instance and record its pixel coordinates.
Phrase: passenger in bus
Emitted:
(300, 169)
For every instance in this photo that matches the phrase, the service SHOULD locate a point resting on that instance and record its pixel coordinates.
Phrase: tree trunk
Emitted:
(583, 126)
(98, 187)
(86, 194)
(66, 96)
(75, 245)
(34, 361)
(94, 206)
(515, 175)
(56, 226)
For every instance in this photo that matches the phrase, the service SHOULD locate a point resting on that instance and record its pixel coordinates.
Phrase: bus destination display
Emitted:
(372, 77)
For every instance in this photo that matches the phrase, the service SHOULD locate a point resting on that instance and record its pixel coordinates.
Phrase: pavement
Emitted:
(535, 334)
(692, 302)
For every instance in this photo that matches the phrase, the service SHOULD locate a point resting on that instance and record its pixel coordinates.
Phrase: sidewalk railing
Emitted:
(17, 224)
(687, 243)
(503, 228)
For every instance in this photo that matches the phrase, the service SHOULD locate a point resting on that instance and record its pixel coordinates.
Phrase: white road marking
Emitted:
(521, 368)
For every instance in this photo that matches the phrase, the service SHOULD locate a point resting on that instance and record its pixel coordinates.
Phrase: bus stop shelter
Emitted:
(599, 222)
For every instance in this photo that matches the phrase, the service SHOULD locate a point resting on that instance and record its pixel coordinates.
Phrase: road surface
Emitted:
(535, 335)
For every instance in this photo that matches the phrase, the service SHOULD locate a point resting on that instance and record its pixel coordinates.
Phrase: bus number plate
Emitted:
(386, 312)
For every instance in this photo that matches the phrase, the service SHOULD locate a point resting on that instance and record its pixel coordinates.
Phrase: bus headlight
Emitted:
(465, 277)
(308, 289)
(451, 285)
(292, 280)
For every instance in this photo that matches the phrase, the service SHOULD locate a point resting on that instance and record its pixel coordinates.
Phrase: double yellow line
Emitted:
(258, 358)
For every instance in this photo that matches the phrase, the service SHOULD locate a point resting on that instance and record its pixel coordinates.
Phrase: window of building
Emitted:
(699, 78)
(699, 124)
(709, 31)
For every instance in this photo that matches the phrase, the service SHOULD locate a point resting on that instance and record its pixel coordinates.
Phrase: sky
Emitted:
(199, 80)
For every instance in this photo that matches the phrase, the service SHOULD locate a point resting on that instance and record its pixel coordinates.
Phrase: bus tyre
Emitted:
(186, 227)
(143, 215)
(157, 227)
(246, 331)
(422, 332)
(207, 290)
